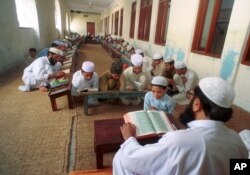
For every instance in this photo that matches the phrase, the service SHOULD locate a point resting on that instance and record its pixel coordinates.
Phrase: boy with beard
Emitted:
(38, 74)
(205, 147)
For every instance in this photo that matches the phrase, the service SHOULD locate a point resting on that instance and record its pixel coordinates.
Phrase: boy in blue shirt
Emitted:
(157, 99)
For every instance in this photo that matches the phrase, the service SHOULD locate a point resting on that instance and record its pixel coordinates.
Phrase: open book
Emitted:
(149, 122)
(59, 82)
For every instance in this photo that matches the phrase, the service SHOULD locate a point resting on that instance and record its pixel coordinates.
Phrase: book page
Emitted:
(160, 122)
(143, 124)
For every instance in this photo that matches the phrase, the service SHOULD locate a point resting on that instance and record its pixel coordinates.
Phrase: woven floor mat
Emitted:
(33, 139)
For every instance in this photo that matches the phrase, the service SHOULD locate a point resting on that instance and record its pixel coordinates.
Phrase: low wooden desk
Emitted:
(108, 138)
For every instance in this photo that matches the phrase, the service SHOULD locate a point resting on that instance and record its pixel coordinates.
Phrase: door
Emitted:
(91, 28)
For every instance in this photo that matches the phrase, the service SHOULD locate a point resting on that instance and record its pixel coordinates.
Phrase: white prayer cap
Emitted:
(218, 91)
(179, 65)
(138, 51)
(55, 50)
(88, 66)
(129, 47)
(61, 53)
(136, 59)
(157, 56)
(124, 43)
(159, 80)
(168, 60)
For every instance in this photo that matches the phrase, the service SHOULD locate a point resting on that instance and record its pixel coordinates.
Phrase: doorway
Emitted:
(91, 28)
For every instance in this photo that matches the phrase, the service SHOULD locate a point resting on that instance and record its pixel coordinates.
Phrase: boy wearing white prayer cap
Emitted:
(130, 50)
(134, 78)
(84, 79)
(169, 74)
(158, 66)
(205, 147)
(146, 60)
(184, 80)
(40, 73)
(157, 99)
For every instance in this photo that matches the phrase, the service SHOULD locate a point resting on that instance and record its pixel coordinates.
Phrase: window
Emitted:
(112, 24)
(211, 26)
(58, 16)
(67, 22)
(106, 25)
(26, 13)
(116, 22)
(121, 22)
(246, 54)
(145, 19)
(162, 22)
(132, 24)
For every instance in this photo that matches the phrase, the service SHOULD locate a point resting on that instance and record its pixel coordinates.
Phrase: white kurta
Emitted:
(79, 83)
(137, 81)
(204, 149)
(37, 73)
(192, 81)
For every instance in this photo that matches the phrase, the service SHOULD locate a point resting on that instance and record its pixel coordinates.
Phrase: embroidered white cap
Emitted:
(136, 59)
(159, 80)
(179, 65)
(157, 56)
(138, 51)
(129, 47)
(88, 66)
(55, 50)
(218, 91)
(168, 60)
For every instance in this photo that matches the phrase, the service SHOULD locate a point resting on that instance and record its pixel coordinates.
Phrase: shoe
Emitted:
(24, 88)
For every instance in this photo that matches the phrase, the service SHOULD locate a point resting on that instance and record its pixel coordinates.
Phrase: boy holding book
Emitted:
(157, 99)
(206, 147)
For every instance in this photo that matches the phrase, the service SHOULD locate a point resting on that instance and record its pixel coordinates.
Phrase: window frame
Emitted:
(121, 22)
(162, 22)
(116, 22)
(246, 53)
(199, 27)
(145, 20)
(132, 21)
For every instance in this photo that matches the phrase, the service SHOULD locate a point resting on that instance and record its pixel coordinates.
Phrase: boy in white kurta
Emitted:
(134, 78)
(86, 79)
(205, 148)
(184, 81)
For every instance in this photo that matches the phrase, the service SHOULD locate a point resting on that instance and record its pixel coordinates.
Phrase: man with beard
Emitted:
(40, 72)
(205, 147)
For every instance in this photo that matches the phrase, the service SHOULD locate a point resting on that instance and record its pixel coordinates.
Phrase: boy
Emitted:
(31, 57)
(157, 99)
(86, 78)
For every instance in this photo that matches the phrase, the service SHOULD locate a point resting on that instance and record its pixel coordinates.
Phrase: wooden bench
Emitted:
(108, 95)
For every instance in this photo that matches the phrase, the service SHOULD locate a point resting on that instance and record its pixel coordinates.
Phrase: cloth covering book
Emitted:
(149, 122)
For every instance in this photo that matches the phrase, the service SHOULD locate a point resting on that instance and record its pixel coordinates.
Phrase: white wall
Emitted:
(79, 23)
(15, 41)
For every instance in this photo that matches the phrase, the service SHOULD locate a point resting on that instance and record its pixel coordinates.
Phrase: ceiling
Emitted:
(89, 6)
